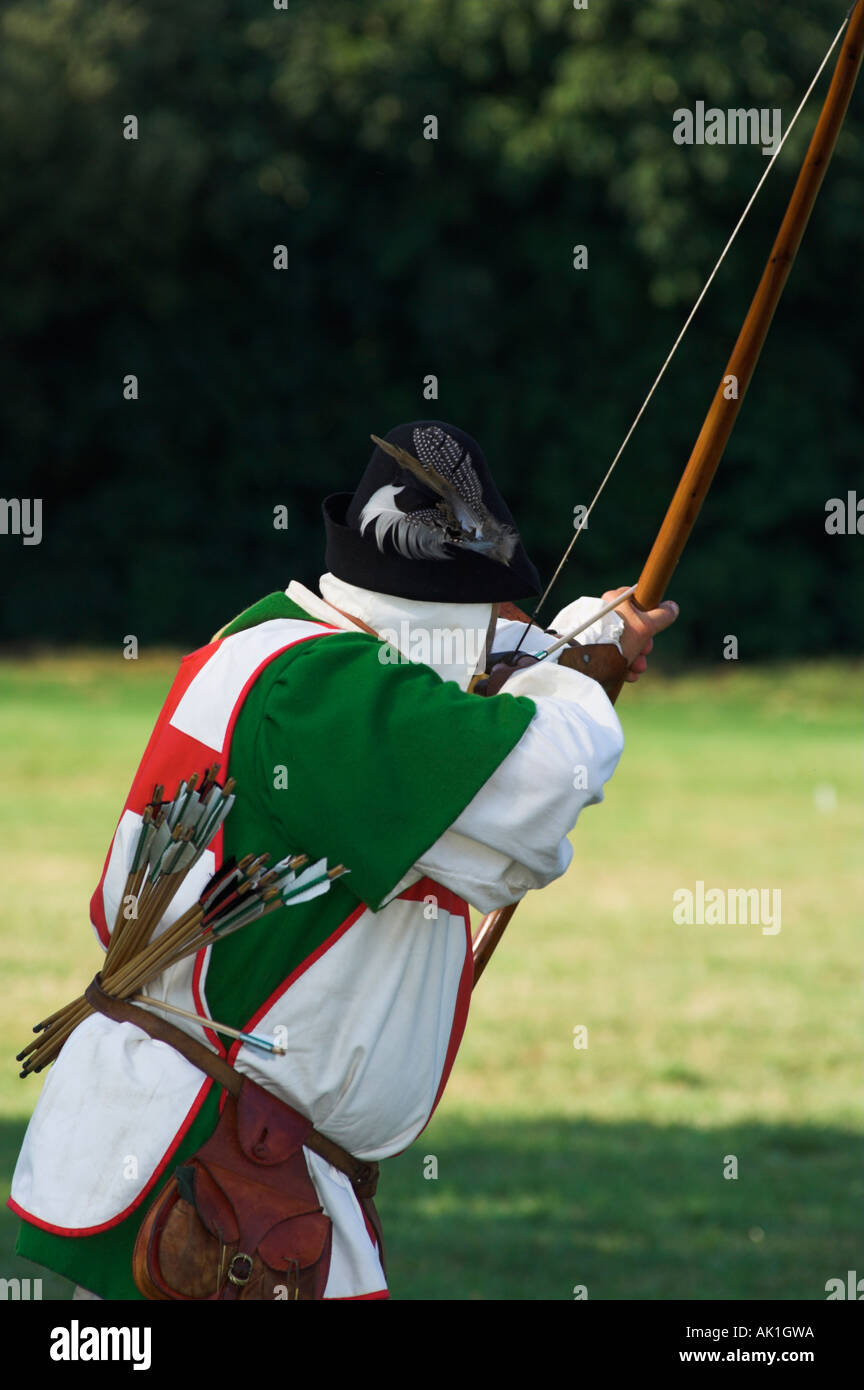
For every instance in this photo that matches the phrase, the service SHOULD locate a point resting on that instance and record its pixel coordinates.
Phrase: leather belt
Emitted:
(363, 1175)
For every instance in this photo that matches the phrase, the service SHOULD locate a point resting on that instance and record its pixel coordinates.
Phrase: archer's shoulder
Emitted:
(359, 674)
(361, 660)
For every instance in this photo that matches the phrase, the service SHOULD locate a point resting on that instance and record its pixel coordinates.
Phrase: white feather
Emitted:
(410, 538)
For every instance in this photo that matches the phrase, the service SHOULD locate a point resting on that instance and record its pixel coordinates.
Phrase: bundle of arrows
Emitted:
(172, 838)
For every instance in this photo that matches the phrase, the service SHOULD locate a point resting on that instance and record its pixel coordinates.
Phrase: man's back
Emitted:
(333, 752)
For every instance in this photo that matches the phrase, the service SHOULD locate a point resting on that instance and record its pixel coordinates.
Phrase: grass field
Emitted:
(559, 1166)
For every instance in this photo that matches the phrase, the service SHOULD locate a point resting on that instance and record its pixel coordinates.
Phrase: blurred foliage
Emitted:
(303, 126)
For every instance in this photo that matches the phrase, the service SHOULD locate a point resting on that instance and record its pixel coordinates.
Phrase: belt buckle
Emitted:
(237, 1277)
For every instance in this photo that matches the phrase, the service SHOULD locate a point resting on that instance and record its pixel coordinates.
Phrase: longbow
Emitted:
(722, 414)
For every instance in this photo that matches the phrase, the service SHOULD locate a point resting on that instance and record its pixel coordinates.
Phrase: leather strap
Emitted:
(363, 1175)
(350, 616)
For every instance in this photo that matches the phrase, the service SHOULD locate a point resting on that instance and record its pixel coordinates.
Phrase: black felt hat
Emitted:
(427, 522)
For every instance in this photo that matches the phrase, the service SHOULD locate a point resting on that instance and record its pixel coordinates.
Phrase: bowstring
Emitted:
(690, 317)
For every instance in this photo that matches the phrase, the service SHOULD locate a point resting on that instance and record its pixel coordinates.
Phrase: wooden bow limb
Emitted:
(708, 449)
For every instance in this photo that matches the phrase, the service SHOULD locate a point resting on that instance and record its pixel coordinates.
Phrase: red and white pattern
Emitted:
(384, 986)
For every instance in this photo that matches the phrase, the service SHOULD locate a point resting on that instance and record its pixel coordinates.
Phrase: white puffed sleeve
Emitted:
(513, 835)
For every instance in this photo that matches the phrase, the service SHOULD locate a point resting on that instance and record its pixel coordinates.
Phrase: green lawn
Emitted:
(558, 1167)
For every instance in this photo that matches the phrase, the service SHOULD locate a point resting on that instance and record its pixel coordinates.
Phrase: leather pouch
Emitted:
(241, 1218)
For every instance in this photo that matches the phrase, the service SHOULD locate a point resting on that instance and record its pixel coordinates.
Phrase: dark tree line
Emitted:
(409, 257)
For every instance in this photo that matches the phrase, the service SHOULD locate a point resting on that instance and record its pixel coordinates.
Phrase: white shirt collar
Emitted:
(449, 637)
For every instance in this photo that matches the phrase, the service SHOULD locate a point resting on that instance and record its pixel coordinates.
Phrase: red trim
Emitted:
(460, 1017)
(369, 1227)
(97, 905)
(295, 975)
(298, 641)
(457, 907)
(447, 900)
(157, 1172)
(202, 959)
(358, 1297)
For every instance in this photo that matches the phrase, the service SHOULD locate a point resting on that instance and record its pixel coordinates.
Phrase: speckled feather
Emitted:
(460, 518)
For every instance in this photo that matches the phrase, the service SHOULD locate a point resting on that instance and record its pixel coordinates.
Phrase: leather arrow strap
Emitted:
(363, 1175)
